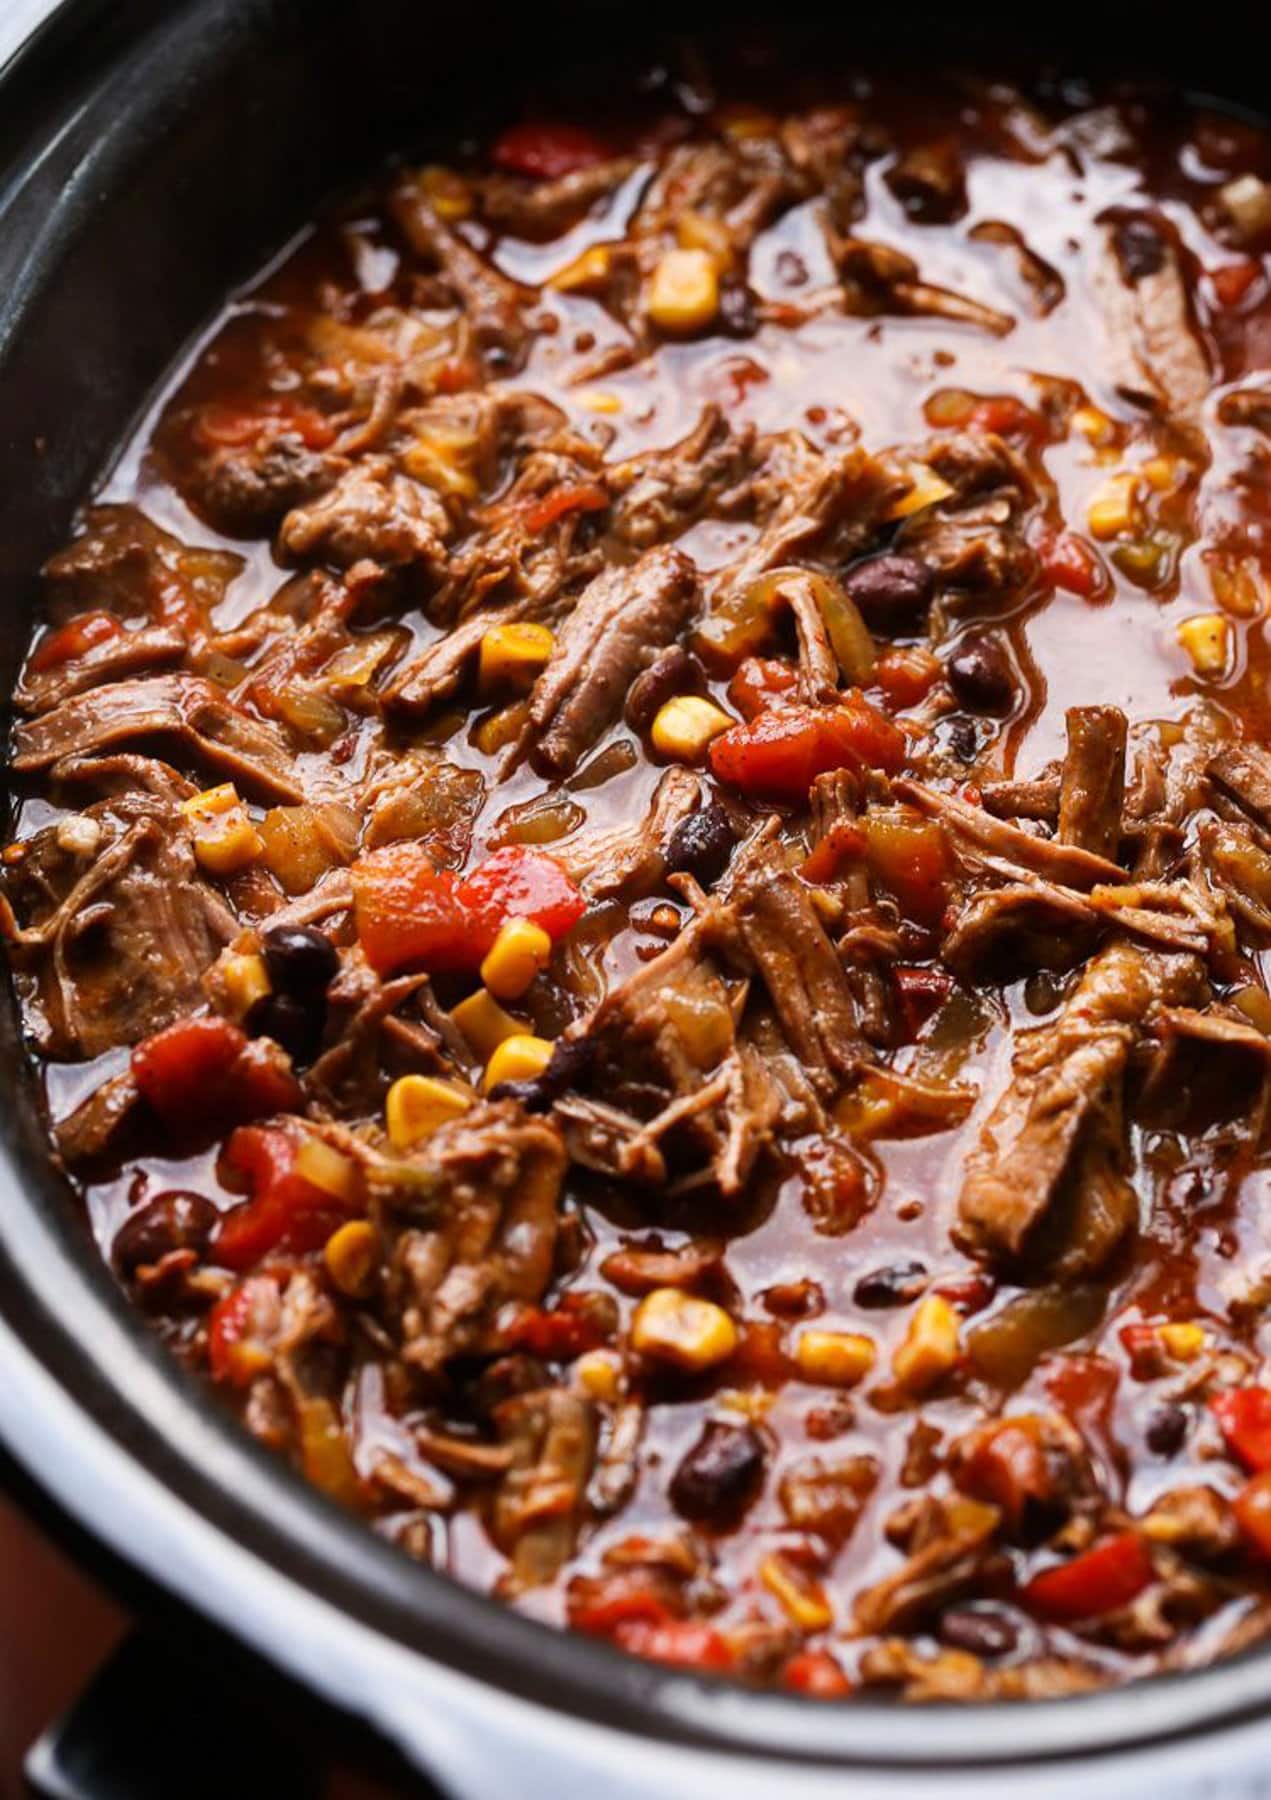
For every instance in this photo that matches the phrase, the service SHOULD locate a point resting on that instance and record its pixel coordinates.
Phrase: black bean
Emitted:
(718, 1477)
(569, 1062)
(980, 673)
(171, 1221)
(701, 845)
(301, 961)
(981, 1629)
(737, 315)
(896, 1285)
(890, 588)
(1140, 248)
(673, 671)
(1166, 1430)
(293, 1023)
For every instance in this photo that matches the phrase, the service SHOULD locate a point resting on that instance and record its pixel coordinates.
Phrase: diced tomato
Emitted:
(74, 639)
(1006, 1463)
(600, 1604)
(179, 1069)
(1101, 1580)
(1068, 562)
(908, 855)
(519, 882)
(407, 911)
(411, 914)
(842, 845)
(1232, 282)
(1244, 1417)
(815, 1673)
(545, 151)
(207, 1072)
(1252, 1507)
(683, 1643)
(221, 426)
(1143, 1346)
(284, 1210)
(778, 755)
(759, 682)
(241, 1330)
(907, 676)
(584, 496)
(1007, 416)
(920, 993)
(579, 1322)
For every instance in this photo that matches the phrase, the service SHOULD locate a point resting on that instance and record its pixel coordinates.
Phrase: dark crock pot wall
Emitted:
(150, 157)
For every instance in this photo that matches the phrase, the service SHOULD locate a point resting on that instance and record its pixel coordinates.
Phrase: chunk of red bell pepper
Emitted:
(1252, 1507)
(778, 755)
(815, 1672)
(1068, 562)
(546, 150)
(284, 1211)
(1244, 1417)
(1100, 1580)
(682, 1643)
(519, 882)
(241, 1330)
(206, 1072)
(583, 496)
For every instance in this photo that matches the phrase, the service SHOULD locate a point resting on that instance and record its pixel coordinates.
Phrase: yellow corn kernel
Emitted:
(694, 231)
(244, 979)
(683, 291)
(1206, 637)
(600, 400)
(1183, 1341)
(441, 461)
(834, 1358)
(325, 1167)
(447, 193)
(930, 1347)
(586, 273)
(1239, 585)
(520, 952)
(352, 1255)
(512, 655)
(927, 489)
(685, 726)
(519, 1058)
(417, 1104)
(1160, 472)
(1095, 426)
(678, 1328)
(484, 1023)
(599, 1374)
(1115, 506)
(802, 1599)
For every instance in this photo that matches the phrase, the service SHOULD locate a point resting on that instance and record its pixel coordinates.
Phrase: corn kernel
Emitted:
(1183, 1341)
(1206, 637)
(683, 292)
(519, 1058)
(802, 1599)
(244, 979)
(1095, 426)
(447, 193)
(325, 1167)
(930, 1347)
(677, 1328)
(926, 489)
(695, 231)
(834, 1358)
(520, 952)
(484, 1023)
(599, 1374)
(587, 273)
(1239, 585)
(1115, 506)
(441, 462)
(351, 1255)
(600, 400)
(417, 1104)
(685, 726)
(512, 655)
(1160, 472)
